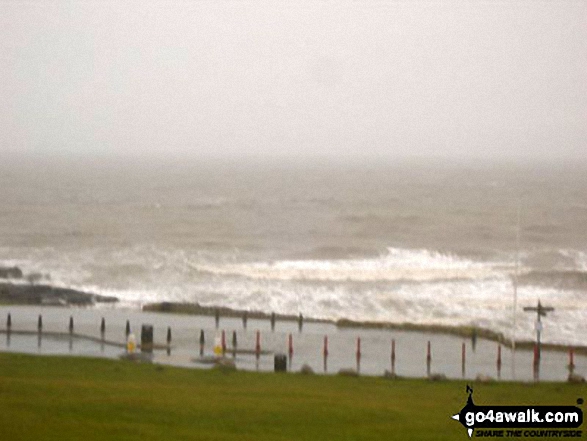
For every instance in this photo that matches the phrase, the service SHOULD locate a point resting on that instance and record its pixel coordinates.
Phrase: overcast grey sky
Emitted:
(294, 77)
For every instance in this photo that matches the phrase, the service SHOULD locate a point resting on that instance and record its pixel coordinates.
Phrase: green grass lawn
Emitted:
(64, 398)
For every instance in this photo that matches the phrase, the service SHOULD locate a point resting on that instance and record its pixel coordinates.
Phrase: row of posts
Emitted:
(272, 320)
(325, 353)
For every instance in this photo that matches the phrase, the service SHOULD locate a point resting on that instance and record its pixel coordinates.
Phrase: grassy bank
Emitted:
(63, 398)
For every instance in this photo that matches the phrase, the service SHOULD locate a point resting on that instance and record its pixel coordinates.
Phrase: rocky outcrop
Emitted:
(18, 294)
(10, 273)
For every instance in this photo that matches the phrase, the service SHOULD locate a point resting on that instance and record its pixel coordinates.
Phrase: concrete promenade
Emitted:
(411, 347)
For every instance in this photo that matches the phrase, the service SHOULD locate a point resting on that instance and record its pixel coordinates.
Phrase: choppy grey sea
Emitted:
(411, 241)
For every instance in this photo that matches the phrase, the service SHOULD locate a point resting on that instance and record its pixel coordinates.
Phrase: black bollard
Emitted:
(202, 342)
(127, 331)
(300, 322)
(245, 318)
(103, 328)
(147, 338)
(40, 324)
(272, 321)
(234, 344)
(71, 324)
(280, 363)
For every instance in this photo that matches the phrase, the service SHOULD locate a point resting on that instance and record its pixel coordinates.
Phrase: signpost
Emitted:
(540, 312)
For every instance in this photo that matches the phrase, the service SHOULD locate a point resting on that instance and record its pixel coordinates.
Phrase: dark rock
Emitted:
(306, 370)
(34, 278)
(390, 375)
(576, 378)
(437, 377)
(225, 365)
(10, 273)
(482, 378)
(137, 357)
(349, 372)
(48, 295)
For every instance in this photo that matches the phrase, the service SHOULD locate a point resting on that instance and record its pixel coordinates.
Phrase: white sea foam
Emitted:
(413, 286)
(396, 265)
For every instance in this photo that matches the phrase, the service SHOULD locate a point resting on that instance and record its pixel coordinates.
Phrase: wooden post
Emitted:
(234, 344)
(245, 318)
(127, 330)
(40, 330)
(290, 349)
(8, 322)
(257, 349)
(217, 317)
(428, 358)
(169, 340)
(463, 355)
(223, 343)
(325, 353)
(70, 333)
(571, 361)
(499, 361)
(258, 345)
(393, 356)
(300, 322)
(202, 342)
(103, 328)
(272, 321)
(358, 354)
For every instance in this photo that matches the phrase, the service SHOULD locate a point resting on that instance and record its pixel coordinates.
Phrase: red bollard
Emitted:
(463, 359)
(536, 363)
(325, 353)
(358, 354)
(428, 359)
(393, 356)
(223, 342)
(498, 361)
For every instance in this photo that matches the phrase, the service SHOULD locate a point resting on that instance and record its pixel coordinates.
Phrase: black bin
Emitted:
(147, 338)
(280, 362)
